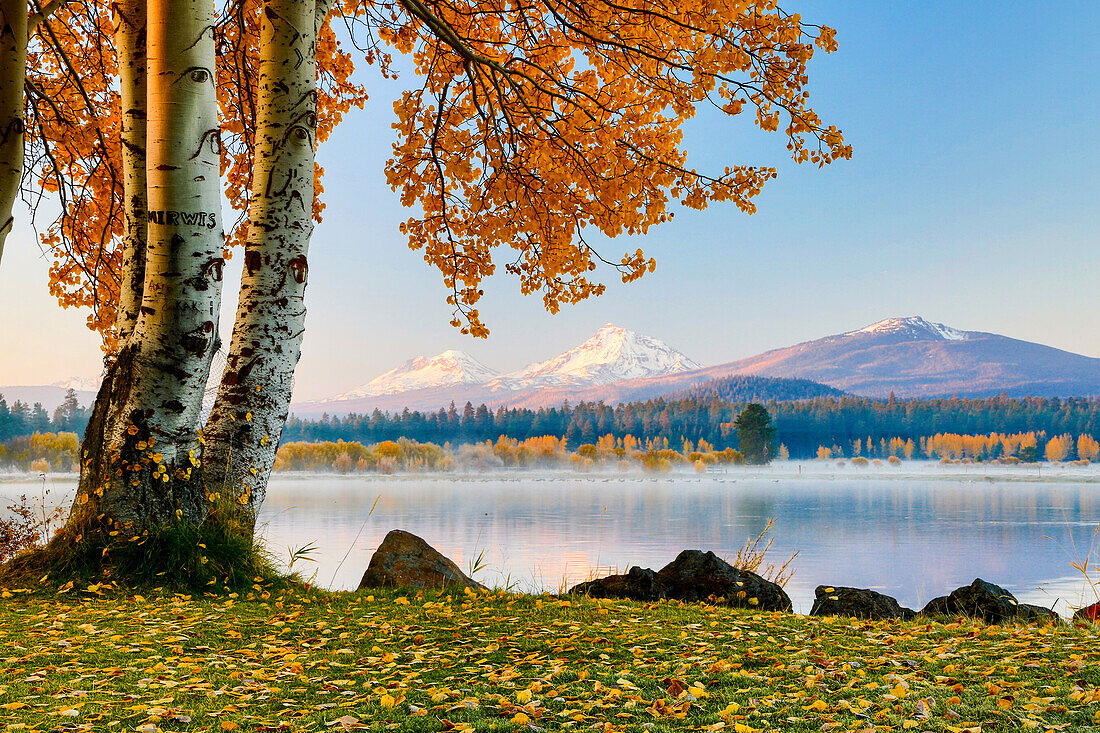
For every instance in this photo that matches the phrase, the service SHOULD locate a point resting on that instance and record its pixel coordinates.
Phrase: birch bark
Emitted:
(142, 452)
(254, 395)
(130, 42)
(13, 64)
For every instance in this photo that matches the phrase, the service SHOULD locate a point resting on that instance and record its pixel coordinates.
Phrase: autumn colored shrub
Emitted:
(42, 452)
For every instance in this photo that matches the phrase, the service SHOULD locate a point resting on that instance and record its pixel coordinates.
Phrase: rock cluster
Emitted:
(404, 560)
(693, 576)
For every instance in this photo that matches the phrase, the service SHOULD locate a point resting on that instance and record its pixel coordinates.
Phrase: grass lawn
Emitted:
(292, 659)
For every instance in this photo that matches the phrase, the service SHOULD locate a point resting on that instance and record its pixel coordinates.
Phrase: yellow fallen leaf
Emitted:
(818, 705)
(523, 697)
(521, 719)
(387, 701)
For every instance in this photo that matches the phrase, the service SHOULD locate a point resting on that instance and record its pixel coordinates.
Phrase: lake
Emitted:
(913, 535)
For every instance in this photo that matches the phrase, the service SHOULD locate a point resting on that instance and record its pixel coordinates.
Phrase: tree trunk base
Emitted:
(217, 553)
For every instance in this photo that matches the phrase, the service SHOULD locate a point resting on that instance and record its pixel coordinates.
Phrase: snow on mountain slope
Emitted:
(80, 384)
(611, 355)
(449, 368)
(913, 327)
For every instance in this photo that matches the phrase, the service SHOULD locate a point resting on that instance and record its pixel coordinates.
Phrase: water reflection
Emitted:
(912, 539)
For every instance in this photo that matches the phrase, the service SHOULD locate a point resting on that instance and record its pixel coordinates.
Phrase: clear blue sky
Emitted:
(971, 199)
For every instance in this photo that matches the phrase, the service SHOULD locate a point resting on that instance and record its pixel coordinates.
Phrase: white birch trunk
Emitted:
(251, 408)
(142, 450)
(13, 65)
(130, 42)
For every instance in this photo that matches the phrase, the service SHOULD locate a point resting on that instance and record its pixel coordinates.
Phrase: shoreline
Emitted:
(788, 471)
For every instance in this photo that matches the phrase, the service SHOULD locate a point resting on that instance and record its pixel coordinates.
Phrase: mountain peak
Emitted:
(913, 327)
(611, 354)
(451, 367)
(80, 384)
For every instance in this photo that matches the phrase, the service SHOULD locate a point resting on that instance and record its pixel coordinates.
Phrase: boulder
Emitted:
(1088, 613)
(696, 576)
(941, 606)
(858, 602)
(640, 584)
(693, 576)
(991, 603)
(1036, 614)
(404, 560)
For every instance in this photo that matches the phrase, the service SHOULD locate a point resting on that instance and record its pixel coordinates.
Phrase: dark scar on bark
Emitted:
(252, 261)
(194, 344)
(298, 268)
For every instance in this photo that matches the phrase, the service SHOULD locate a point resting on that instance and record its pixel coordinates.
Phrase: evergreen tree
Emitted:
(755, 434)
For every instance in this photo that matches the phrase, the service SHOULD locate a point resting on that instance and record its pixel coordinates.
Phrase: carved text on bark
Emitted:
(188, 218)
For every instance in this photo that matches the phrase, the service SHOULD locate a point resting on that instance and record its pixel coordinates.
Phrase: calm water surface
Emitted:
(912, 538)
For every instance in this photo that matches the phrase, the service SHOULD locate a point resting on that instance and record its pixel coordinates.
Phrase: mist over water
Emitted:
(913, 534)
(913, 538)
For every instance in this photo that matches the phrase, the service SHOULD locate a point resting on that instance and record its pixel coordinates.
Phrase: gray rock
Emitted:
(693, 576)
(697, 576)
(1036, 614)
(404, 560)
(941, 606)
(991, 603)
(858, 602)
(640, 584)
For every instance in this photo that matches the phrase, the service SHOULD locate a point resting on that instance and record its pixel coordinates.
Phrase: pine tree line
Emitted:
(802, 425)
(21, 419)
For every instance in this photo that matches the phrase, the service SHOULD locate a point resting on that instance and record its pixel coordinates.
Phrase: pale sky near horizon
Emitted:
(971, 199)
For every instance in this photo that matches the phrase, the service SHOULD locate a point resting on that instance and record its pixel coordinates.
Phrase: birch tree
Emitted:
(142, 446)
(243, 431)
(533, 124)
(16, 27)
(13, 64)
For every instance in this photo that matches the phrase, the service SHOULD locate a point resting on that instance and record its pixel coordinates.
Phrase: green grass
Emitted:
(286, 658)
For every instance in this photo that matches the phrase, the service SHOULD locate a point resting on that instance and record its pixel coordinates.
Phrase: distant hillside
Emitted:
(912, 357)
(49, 396)
(909, 357)
(750, 388)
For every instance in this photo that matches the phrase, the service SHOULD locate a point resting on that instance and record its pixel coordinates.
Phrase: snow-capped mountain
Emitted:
(50, 395)
(613, 354)
(80, 384)
(912, 357)
(443, 370)
(913, 327)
